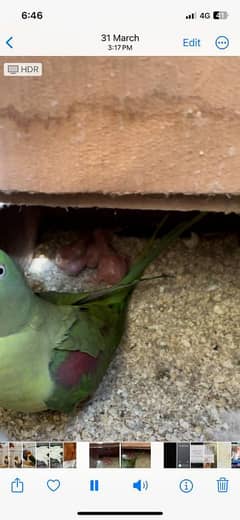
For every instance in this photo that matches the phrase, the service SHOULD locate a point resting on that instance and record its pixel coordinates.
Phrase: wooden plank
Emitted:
(151, 126)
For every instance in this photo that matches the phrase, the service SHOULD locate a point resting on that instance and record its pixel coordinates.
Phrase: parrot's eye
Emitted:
(2, 270)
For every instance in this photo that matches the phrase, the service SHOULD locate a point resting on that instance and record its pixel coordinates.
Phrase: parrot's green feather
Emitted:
(97, 333)
(111, 327)
(24, 358)
(85, 335)
(106, 312)
(62, 298)
(55, 348)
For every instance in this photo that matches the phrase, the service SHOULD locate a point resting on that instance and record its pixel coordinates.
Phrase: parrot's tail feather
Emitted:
(107, 291)
(155, 247)
(89, 296)
(111, 294)
(152, 250)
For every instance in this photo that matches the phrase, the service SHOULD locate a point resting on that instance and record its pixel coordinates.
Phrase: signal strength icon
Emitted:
(191, 16)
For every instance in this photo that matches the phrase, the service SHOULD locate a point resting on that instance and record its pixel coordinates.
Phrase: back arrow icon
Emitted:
(8, 42)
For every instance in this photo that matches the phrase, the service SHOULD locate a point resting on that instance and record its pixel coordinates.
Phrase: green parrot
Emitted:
(56, 347)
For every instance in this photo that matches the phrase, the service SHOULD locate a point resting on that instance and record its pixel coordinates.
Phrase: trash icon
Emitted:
(222, 485)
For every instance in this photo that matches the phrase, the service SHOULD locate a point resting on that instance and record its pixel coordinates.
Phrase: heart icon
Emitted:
(53, 485)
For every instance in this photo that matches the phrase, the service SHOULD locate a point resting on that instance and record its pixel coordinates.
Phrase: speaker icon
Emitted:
(140, 485)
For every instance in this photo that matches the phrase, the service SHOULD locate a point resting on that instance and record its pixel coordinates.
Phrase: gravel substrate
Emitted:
(176, 374)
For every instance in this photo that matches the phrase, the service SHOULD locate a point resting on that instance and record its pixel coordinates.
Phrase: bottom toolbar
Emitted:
(71, 479)
(135, 492)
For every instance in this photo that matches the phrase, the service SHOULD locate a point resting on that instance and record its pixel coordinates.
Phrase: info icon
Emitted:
(186, 485)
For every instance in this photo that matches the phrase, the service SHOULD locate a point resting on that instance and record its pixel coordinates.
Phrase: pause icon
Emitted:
(94, 485)
(191, 16)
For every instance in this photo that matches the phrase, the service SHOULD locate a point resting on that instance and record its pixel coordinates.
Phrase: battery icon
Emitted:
(220, 15)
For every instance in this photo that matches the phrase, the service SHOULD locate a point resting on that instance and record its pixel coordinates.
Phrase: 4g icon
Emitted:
(205, 16)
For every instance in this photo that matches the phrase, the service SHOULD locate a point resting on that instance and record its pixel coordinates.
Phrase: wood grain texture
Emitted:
(119, 126)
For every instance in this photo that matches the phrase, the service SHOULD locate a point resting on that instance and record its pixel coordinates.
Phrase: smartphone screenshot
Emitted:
(119, 259)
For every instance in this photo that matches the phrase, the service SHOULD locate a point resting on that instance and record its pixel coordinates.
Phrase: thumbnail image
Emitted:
(190, 455)
(210, 455)
(135, 455)
(183, 455)
(170, 454)
(224, 454)
(42, 455)
(56, 454)
(104, 455)
(201, 455)
(15, 454)
(4, 457)
(29, 455)
(235, 458)
(70, 455)
(38, 455)
(197, 454)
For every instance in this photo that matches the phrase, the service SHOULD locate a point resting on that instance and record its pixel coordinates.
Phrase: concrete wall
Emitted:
(135, 132)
